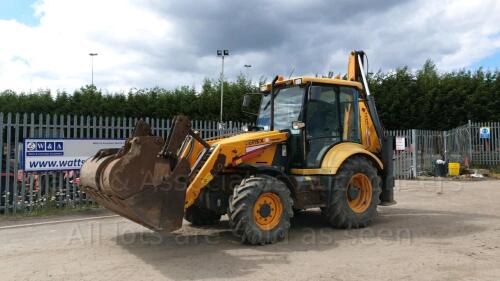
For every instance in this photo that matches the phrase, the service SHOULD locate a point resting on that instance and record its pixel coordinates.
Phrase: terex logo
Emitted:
(255, 142)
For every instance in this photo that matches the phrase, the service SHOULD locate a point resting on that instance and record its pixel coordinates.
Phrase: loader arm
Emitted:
(229, 153)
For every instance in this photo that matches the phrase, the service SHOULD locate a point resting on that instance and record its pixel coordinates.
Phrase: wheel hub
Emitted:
(353, 192)
(359, 193)
(267, 211)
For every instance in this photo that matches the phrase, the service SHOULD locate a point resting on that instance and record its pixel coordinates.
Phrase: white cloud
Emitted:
(169, 44)
(54, 54)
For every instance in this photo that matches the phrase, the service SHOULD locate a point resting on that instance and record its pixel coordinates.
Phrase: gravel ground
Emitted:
(437, 231)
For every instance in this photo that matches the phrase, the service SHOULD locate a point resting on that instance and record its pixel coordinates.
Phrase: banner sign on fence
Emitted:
(400, 143)
(484, 133)
(62, 154)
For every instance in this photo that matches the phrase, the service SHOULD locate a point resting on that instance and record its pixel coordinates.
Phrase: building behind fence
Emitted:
(27, 191)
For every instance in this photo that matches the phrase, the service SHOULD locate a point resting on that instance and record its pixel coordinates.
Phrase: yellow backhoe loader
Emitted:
(316, 143)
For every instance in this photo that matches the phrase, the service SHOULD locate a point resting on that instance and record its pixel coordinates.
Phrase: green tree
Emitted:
(405, 99)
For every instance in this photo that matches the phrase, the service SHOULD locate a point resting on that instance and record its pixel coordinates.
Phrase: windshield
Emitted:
(287, 108)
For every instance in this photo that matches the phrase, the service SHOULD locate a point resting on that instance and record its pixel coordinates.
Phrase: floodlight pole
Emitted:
(247, 66)
(222, 89)
(222, 54)
(92, 55)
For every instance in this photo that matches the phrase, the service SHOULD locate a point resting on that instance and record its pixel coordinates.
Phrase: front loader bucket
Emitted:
(143, 181)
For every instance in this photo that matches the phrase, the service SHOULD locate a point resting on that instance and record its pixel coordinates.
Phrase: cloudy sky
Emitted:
(169, 43)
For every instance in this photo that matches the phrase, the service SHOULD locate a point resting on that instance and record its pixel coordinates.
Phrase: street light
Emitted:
(247, 66)
(92, 65)
(222, 54)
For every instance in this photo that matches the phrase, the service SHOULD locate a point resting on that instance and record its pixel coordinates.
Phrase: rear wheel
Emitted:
(260, 210)
(355, 194)
(201, 216)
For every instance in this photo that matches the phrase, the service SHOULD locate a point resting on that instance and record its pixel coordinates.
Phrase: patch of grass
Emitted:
(50, 209)
(493, 169)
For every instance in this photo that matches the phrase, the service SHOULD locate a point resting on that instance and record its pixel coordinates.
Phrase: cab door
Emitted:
(331, 117)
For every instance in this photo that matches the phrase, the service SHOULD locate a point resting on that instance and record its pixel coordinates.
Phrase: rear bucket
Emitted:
(136, 183)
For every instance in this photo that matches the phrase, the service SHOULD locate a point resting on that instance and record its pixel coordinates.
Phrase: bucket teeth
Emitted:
(142, 129)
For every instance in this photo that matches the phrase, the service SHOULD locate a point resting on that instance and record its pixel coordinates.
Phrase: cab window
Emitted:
(348, 107)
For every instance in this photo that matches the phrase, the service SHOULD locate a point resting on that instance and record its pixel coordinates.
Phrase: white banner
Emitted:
(62, 154)
(400, 143)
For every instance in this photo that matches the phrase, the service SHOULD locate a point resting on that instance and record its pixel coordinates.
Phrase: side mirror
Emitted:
(296, 125)
(246, 101)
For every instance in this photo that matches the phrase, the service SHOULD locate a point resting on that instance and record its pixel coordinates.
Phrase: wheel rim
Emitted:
(359, 193)
(267, 211)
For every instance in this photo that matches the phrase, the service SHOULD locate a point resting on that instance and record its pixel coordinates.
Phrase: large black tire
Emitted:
(243, 208)
(200, 216)
(339, 212)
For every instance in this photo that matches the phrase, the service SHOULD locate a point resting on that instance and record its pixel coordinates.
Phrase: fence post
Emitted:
(469, 128)
(445, 143)
(7, 162)
(1, 151)
(414, 154)
(15, 198)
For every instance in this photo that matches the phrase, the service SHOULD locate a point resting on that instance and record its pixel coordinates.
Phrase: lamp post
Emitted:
(247, 66)
(92, 55)
(222, 54)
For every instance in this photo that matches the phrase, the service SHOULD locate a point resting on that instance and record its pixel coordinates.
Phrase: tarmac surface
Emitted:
(437, 231)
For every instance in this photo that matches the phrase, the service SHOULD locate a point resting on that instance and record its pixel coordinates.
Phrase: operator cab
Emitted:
(317, 112)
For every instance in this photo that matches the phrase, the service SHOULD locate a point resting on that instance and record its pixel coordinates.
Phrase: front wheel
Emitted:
(355, 194)
(260, 210)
